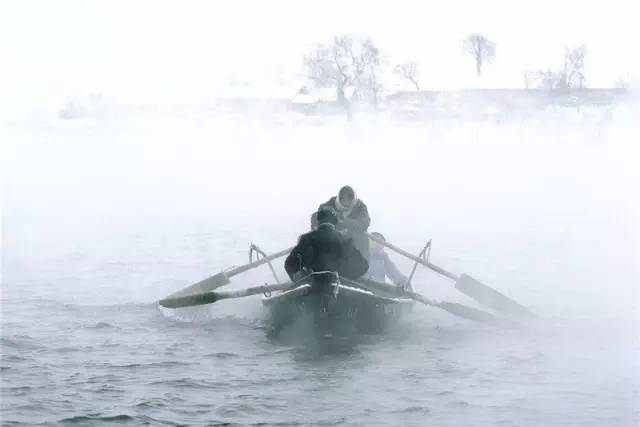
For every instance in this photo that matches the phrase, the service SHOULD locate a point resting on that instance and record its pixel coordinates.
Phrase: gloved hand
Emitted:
(299, 275)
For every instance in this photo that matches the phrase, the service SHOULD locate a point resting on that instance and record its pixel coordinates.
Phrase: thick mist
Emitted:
(145, 145)
(545, 210)
(103, 218)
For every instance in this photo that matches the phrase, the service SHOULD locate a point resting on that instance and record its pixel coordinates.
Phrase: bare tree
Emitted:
(372, 85)
(481, 48)
(552, 79)
(346, 61)
(410, 71)
(574, 66)
(569, 77)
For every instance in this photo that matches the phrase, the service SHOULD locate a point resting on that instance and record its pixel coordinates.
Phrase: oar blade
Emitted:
(189, 300)
(206, 285)
(476, 315)
(490, 297)
(211, 297)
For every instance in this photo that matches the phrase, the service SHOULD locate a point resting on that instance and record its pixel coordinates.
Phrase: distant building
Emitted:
(324, 100)
(495, 103)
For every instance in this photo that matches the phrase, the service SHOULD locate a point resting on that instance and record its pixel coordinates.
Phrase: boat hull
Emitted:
(334, 309)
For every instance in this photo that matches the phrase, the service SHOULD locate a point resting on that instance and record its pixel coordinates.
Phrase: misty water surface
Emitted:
(101, 221)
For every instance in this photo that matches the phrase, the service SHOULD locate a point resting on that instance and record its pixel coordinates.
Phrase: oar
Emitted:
(465, 311)
(211, 297)
(454, 308)
(468, 285)
(223, 277)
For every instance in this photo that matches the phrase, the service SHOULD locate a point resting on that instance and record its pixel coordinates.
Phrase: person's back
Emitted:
(325, 249)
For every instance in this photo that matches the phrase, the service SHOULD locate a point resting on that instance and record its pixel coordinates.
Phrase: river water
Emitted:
(99, 222)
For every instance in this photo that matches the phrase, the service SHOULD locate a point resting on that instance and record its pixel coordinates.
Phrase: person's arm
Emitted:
(359, 219)
(393, 273)
(354, 263)
(331, 203)
(292, 263)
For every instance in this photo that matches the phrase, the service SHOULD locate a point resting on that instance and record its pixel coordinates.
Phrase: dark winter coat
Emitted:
(353, 222)
(326, 249)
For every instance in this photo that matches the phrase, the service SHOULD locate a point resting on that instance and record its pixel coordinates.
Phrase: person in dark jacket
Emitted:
(325, 249)
(353, 217)
(381, 267)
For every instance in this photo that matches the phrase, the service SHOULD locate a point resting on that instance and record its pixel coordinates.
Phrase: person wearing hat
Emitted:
(325, 249)
(353, 217)
(381, 267)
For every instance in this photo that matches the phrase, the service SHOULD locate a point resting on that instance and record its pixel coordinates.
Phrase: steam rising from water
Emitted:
(131, 210)
(545, 210)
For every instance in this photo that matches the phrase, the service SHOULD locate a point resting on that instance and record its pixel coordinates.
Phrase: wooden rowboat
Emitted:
(344, 305)
(335, 308)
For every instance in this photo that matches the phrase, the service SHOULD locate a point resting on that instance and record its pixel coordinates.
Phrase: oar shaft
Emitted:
(254, 290)
(222, 278)
(415, 258)
(464, 311)
(257, 263)
(456, 309)
(468, 286)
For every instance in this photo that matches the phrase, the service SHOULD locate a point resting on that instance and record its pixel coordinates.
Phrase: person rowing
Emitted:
(325, 249)
(353, 217)
(381, 267)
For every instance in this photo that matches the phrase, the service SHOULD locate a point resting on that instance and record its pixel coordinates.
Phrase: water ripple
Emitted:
(222, 355)
(412, 409)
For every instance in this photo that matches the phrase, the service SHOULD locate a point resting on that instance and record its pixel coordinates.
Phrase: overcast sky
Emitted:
(186, 48)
